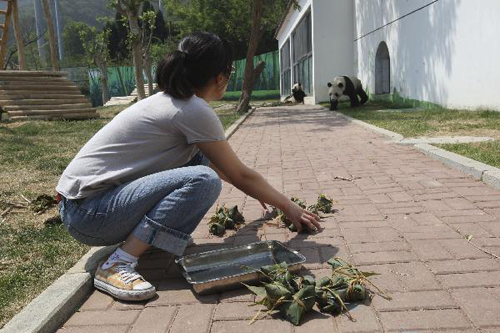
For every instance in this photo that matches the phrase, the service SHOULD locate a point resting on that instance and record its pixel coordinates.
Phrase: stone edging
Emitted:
(47, 312)
(484, 172)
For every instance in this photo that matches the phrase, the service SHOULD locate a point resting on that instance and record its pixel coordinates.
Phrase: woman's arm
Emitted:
(228, 165)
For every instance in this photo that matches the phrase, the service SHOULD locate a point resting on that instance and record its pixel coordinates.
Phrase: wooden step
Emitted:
(39, 88)
(47, 107)
(25, 94)
(42, 101)
(68, 116)
(31, 74)
(6, 98)
(36, 82)
(49, 112)
(35, 78)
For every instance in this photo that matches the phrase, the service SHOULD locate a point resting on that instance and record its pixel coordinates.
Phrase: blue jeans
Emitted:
(161, 209)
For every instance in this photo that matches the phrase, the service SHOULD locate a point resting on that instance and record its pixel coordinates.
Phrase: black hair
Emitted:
(199, 57)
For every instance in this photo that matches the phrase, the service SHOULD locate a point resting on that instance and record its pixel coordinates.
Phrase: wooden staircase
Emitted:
(42, 95)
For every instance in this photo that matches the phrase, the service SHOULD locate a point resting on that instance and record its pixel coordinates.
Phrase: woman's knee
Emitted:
(209, 180)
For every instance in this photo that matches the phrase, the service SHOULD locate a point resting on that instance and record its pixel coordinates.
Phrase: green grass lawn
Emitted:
(34, 251)
(435, 122)
(256, 95)
(486, 152)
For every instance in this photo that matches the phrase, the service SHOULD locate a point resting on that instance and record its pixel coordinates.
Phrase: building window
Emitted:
(285, 71)
(302, 53)
(382, 70)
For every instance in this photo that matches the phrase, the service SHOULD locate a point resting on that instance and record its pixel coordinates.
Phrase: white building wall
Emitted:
(332, 41)
(291, 22)
(333, 46)
(446, 53)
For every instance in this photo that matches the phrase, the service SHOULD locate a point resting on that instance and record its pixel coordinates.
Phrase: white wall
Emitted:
(291, 21)
(332, 41)
(333, 46)
(446, 53)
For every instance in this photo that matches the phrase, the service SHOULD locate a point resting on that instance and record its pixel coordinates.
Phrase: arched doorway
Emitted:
(382, 70)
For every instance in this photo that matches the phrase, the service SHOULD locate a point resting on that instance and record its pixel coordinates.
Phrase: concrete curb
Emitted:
(484, 172)
(466, 165)
(231, 129)
(391, 135)
(47, 312)
(480, 171)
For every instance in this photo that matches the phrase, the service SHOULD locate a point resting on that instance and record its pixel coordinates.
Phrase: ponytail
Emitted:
(200, 57)
(171, 75)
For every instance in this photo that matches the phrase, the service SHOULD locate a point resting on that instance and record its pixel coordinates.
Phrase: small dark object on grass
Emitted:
(54, 220)
(42, 203)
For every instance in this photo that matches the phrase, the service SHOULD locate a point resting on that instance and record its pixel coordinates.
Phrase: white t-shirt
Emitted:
(153, 135)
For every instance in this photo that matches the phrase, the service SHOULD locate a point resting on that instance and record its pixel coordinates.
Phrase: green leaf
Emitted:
(259, 291)
(303, 301)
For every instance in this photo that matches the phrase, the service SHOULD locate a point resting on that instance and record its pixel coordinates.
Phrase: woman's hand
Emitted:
(228, 165)
(300, 216)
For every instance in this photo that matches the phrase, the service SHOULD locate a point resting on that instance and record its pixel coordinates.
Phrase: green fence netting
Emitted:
(269, 79)
(121, 80)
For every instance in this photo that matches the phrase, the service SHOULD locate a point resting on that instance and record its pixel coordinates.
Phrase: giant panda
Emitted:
(349, 86)
(297, 95)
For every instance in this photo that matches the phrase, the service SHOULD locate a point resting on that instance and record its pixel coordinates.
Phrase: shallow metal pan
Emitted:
(225, 269)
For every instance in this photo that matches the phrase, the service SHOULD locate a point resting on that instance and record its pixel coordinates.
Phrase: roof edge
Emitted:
(283, 19)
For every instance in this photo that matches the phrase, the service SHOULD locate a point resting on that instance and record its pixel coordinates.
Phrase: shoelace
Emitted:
(127, 272)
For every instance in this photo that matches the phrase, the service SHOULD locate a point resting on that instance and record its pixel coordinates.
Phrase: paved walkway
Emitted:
(402, 215)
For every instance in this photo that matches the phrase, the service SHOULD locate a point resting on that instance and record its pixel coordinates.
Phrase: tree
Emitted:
(119, 48)
(229, 19)
(18, 36)
(233, 20)
(52, 40)
(160, 31)
(95, 44)
(251, 73)
(147, 20)
(131, 9)
(74, 50)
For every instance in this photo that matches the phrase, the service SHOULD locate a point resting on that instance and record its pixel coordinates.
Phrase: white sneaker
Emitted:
(122, 282)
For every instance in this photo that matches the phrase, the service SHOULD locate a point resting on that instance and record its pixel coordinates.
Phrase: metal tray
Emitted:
(225, 269)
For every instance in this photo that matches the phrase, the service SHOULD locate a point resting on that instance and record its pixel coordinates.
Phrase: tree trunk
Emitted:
(148, 67)
(52, 40)
(19, 38)
(103, 68)
(137, 54)
(244, 103)
(249, 78)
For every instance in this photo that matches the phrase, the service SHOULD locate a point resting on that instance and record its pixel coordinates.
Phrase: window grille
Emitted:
(285, 71)
(302, 53)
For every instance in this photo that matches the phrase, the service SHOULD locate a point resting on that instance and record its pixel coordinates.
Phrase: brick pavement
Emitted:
(403, 215)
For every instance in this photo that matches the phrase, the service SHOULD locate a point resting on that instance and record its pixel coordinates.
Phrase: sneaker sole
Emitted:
(125, 295)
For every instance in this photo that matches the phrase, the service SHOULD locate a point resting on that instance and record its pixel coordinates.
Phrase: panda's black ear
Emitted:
(329, 84)
(341, 85)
